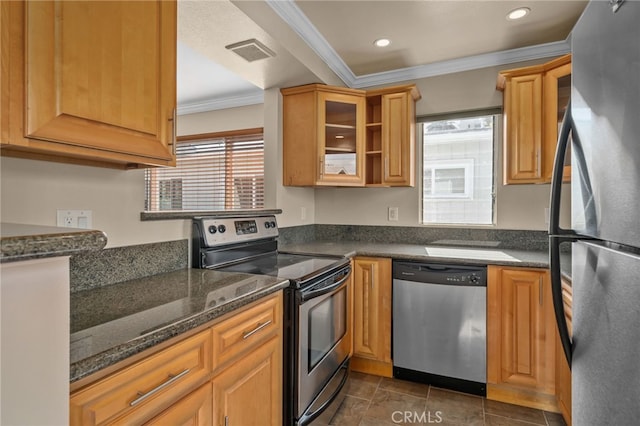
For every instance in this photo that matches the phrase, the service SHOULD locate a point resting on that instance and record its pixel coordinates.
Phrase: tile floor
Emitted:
(378, 401)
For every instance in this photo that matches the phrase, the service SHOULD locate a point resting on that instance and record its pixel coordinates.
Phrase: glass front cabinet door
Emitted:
(340, 139)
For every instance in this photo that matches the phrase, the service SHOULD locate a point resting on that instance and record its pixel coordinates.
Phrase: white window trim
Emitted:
(466, 164)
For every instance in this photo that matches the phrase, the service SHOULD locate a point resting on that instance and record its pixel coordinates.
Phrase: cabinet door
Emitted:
(557, 92)
(372, 314)
(101, 75)
(521, 332)
(340, 139)
(398, 139)
(249, 393)
(523, 129)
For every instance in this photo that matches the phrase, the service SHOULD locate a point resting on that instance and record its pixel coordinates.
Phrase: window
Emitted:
(213, 172)
(457, 172)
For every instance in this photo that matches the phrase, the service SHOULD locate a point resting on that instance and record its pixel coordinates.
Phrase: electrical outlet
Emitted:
(74, 218)
(393, 214)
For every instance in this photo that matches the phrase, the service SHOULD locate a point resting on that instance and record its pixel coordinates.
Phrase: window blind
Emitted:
(213, 172)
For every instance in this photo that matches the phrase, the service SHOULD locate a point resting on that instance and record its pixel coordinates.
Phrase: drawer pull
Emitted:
(171, 379)
(248, 334)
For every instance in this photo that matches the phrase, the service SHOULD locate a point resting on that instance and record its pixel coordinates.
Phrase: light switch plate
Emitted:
(393, 214)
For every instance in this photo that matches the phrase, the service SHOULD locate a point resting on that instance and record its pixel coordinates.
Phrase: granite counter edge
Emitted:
(85, 367)
(18, 248)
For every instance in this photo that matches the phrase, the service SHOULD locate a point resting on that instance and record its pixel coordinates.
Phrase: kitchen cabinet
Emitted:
(563, 372)
(534, 101)
(323, 141)
(372, 316)
(347, 137)
(250, 392)
(207, 378)
(248, 355)
(390, 138)
(89, 82)
(521, 337)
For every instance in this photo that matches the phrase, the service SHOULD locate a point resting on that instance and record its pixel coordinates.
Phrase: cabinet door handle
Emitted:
(226, 420)
(540, 290)
(259, 327)
(386, 167)
(174, 136)
(171, 379)
(538, 168)
(321, 168)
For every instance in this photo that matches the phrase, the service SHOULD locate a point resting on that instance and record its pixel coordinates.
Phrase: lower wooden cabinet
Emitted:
(250, 392)
(563, 372)
(521, 337)
(228, 373)
(372, 316)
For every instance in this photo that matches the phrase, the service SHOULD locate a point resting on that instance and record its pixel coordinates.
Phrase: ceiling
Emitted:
(332, 42)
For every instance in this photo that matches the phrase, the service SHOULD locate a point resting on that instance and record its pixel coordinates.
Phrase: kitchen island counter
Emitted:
(114, 322)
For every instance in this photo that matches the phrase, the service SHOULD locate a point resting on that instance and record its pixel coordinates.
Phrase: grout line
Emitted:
(371, 400)
(518, 420)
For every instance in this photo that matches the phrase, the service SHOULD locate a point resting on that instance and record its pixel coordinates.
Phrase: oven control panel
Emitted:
(219, 231)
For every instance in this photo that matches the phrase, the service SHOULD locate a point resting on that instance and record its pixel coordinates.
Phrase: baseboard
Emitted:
(523, 397)
(370, 366)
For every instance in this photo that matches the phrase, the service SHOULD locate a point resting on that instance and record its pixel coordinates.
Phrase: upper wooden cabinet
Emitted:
(347, 137)
(94, 81)
(391, 140)
(535, 99)
(521, 337)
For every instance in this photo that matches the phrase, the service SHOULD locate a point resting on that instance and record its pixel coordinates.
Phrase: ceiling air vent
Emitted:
(251, 50)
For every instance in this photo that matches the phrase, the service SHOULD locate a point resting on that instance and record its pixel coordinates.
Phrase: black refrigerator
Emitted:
(602, 127)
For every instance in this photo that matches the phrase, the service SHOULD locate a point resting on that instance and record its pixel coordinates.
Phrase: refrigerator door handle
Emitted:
(556, 293)
(557, 234)
(556, 178)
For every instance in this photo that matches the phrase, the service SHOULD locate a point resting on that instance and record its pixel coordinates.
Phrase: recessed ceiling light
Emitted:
(518, 13)
(382, 42)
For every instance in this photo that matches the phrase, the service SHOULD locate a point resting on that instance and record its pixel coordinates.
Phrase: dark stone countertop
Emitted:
(23, 242)
(111, 323)
(427, 253)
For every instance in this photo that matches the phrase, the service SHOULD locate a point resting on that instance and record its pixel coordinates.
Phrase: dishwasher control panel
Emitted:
(440, 274)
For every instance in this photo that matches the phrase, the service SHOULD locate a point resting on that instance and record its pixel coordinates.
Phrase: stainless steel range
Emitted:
(317, 306)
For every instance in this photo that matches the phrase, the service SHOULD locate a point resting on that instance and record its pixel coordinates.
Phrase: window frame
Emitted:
(153, 197)
(421, 123)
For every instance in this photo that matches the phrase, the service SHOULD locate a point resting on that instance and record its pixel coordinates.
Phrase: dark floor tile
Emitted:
(362, 385)
(350, 412)
(419, 390)
(385, 403)
(454, 408)
(516, 412)
(491, 420)
(554, 419)
(370, 421)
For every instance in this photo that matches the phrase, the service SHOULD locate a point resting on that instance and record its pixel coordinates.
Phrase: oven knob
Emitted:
(212, 229)
(267, 225)
(273, 224)
(221, 229)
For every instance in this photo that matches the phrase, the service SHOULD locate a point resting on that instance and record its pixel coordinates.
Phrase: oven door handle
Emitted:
(316, 292)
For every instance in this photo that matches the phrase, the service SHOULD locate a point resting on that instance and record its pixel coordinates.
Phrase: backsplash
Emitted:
(113, 265)
(473, 237)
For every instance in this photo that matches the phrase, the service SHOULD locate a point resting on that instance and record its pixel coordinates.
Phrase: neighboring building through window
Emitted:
(458, 171)
(221, 171)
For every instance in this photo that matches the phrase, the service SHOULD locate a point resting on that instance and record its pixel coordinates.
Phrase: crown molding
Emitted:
(298, 21)
(222, 103)
(468, 63)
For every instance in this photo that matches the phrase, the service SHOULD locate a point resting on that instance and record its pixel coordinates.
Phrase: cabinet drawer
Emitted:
(246, 330)
(150, 385)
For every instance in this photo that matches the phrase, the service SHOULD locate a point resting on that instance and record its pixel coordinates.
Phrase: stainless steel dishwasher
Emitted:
(440, 324)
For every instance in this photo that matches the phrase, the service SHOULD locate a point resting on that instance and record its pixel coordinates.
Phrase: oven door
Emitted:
(324, 336)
